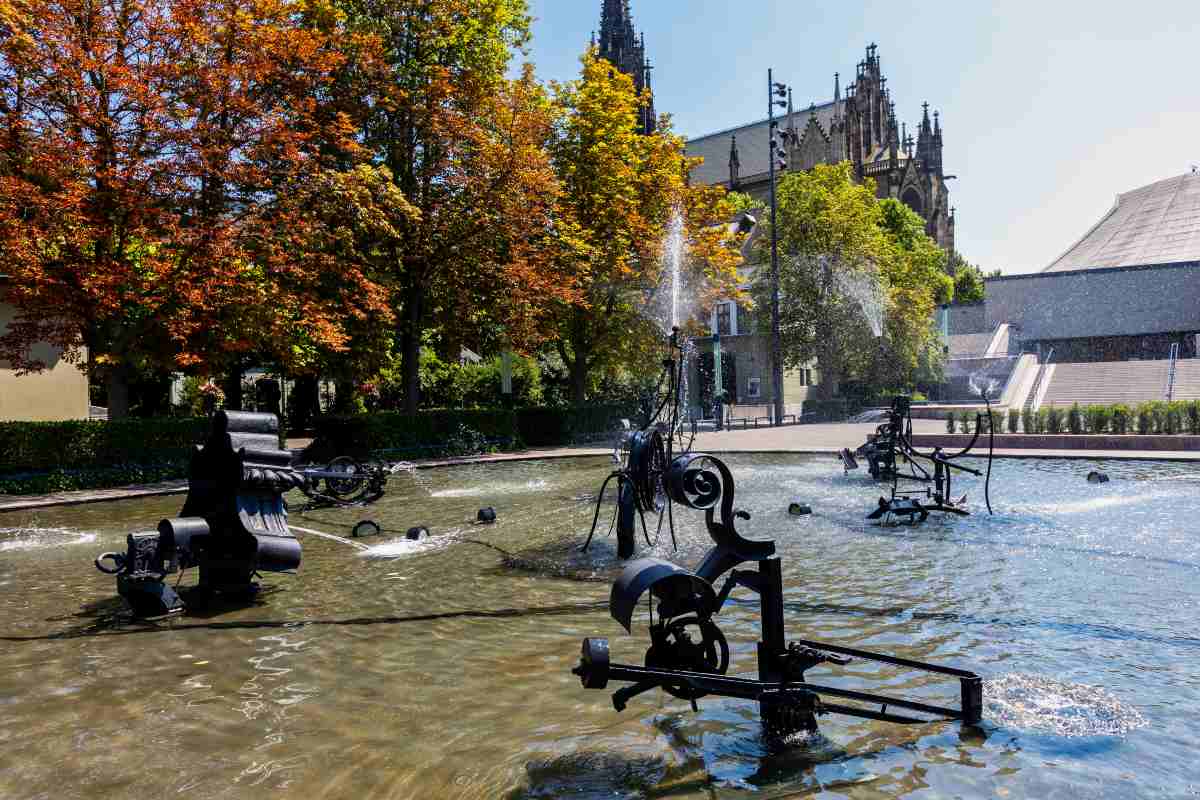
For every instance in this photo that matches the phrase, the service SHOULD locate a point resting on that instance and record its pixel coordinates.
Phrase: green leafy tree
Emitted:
(618, 192)
(833, 233)
(968, 281)
(465, 146)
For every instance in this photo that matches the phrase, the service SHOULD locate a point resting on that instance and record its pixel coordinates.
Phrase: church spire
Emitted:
(626, 51)
(735, 163)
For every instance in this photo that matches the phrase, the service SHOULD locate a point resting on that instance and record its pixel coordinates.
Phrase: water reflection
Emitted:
(440, 668)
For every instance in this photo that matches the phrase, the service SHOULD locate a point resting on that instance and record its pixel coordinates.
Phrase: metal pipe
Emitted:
(776, 345)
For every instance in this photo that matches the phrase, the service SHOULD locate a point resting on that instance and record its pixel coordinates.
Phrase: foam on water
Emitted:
(407, 548)
(533, 485)
(1096, 503)
(1043, 705)
(31, 538)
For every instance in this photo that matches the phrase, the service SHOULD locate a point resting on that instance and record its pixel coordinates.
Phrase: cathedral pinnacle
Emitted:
(626, 51)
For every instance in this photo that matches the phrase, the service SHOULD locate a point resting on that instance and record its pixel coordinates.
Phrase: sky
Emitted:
(1049, 109)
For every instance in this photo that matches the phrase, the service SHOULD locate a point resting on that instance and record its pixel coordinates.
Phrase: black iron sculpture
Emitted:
(233, 523)
(688, 654)
(345, 481)
(891, 446)
(643, 457)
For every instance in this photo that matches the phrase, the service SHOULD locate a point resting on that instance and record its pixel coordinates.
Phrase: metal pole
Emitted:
(776, 348)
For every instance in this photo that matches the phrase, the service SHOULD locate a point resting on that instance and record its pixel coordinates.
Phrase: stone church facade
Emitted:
(858, 126)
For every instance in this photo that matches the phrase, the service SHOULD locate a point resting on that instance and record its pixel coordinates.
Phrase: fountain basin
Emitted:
(441, 667)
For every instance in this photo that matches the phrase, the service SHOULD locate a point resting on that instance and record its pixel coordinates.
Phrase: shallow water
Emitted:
(441, 667)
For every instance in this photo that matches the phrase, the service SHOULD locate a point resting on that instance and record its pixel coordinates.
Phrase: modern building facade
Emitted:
(1127, 291)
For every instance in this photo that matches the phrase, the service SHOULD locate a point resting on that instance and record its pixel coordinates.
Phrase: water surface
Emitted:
(441, 668)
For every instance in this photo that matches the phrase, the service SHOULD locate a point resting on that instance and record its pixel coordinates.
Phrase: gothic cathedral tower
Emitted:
(627, 52)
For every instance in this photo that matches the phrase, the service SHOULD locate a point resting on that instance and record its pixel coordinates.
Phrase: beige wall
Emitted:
(59, 392)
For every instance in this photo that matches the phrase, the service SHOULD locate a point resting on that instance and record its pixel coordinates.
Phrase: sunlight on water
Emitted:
(39, 538)
(1043, 705)
(441, 667)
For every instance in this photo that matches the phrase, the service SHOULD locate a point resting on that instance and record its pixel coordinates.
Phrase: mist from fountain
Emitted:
(865, 290)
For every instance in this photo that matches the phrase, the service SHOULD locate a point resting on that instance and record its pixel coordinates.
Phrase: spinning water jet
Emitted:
(689, 656)
(233, 524)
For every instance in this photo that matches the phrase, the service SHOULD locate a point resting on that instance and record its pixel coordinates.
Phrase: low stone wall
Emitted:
(1022, 441)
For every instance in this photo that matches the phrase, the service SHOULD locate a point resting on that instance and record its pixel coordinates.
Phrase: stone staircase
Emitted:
(1121, 382)
(1187, 379)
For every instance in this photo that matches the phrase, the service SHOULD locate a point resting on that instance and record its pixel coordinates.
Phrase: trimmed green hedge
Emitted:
(75, 444)
(1153, 417)
(429, 434)
(40, 457)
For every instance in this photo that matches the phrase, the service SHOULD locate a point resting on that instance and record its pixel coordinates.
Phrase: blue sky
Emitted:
(1049, 108)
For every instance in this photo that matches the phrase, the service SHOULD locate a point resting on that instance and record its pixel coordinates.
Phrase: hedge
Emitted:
(76, 444)
(1153, 417)
(458, 432)
(40, 457)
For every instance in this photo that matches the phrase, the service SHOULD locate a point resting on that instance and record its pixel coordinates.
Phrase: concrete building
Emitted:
(1126, 293)
(59, 392)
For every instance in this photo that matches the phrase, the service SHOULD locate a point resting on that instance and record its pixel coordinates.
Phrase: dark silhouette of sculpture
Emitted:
(689, 656)
(233, 523)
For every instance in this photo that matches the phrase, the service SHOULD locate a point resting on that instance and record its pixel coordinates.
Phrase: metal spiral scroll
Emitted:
(692, 482)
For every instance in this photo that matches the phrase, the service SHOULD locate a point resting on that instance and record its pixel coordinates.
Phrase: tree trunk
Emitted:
(233, 388)
(343, 400)
(118, 392)
(410, 345)
(579, 380)
(304, 403)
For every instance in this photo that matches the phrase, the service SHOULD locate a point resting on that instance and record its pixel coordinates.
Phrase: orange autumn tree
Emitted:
(618, 192)
(147, 147)
(464, 144)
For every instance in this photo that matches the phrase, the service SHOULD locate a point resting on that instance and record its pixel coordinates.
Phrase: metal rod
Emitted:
(776, 345)
(749, 689)
(866, 655)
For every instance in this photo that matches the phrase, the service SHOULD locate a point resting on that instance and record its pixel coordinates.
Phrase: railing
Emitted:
(1031, 398)
(1174, 356)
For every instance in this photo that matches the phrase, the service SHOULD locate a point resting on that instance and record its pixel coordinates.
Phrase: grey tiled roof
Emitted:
(1156, 224)
(752, 146)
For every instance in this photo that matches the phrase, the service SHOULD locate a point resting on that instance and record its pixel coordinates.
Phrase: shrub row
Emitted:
(1155, 417)
(80, 444)
(460, 432)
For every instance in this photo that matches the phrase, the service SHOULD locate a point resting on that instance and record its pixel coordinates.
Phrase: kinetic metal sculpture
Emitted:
(643, 457)
(347, 482)
(689, 656)
(891, 444)
(232, 526)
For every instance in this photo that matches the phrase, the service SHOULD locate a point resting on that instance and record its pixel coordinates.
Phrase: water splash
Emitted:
(407, 548)
(1044, 705)
(673, 301)
(864, 289)
(981, 384)
(33, 538)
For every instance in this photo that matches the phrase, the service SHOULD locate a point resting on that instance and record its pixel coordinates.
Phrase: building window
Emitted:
(754, 388)
(724, 319)
(806, 377)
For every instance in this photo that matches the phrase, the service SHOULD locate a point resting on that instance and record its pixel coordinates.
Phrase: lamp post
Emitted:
(774, 91)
